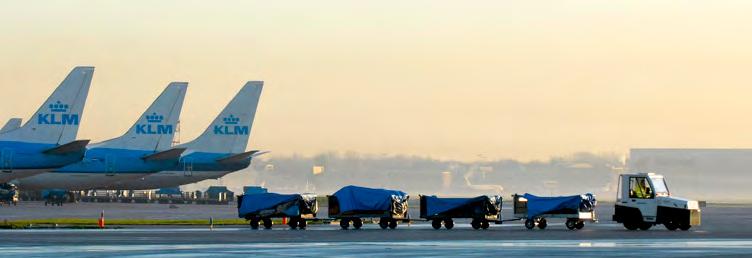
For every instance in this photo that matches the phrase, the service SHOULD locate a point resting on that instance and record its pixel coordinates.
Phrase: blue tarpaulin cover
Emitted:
(253, 203)
(436, 205)
(537, 205)
(356, 198)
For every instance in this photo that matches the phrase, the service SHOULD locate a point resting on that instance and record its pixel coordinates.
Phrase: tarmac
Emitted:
(724, 231)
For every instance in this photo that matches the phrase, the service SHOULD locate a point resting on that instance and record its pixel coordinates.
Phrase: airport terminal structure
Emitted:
(44, 155)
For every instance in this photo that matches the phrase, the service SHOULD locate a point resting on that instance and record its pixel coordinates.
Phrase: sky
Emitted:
(463, 80)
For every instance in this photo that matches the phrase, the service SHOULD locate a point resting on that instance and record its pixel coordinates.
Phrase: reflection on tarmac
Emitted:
(569, 248)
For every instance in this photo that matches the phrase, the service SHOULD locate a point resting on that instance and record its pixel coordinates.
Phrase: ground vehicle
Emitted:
(8, 194)
(262, 207)
(54, 197)
(353, 203)
(534, 209)
(643, 200)
(482, 210)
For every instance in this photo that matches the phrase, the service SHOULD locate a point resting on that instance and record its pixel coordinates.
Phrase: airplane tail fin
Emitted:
(155, 128)
(12, 124)
(56, 121)
(229, 132)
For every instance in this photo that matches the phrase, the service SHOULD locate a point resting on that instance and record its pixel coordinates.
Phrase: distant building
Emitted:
(219, 193)
(172, 191)
(254, 190)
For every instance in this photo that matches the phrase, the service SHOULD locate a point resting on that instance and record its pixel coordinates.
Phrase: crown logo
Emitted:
(58, 107)
(154, 118)
(231, 120)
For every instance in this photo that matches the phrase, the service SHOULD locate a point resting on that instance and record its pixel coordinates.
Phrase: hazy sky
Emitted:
(449, 79)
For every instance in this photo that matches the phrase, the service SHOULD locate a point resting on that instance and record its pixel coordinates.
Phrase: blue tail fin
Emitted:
(229, 132)
(57, 120)
(155, 128)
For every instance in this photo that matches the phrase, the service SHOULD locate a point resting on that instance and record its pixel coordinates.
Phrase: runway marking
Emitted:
(650, 248)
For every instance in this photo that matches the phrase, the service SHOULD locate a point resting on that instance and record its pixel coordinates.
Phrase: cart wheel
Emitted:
(475, 224)
(580, 224)
(645, 226)
(530, 224)
(344, 223)
(542, 224)
(484, 224)
(254, 224)
(392, 223)
(571, 224)
(383, 223)
(267, 223)
(357, 223)
(302, 223)
(293, 223)
(448, 223)
(684, 227)
(436, 224)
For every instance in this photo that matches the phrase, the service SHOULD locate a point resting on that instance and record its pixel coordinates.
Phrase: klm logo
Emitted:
(57, 116)
(231, 127)
(153, 125)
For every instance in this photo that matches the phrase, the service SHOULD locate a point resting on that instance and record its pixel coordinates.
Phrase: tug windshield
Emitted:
(659, 186)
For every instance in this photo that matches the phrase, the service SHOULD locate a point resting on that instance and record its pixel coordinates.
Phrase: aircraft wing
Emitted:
(173, 153)
(73, 146)
(241, 157)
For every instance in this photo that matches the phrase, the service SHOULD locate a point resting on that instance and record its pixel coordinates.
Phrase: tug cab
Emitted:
(643, 200)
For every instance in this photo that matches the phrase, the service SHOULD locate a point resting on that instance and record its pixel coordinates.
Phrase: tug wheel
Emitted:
(645, 226)
(684, 227)
(631, 225)
(670, 225)
(302, 223)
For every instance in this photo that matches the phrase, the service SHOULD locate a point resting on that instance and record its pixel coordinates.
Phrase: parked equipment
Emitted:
(535, 210)
(482, 210)
(54, 197)
(643, 200)
(353, 203)
(262, 207)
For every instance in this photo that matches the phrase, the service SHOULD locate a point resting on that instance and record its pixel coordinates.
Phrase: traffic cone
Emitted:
(100, 222)
(284, 220)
